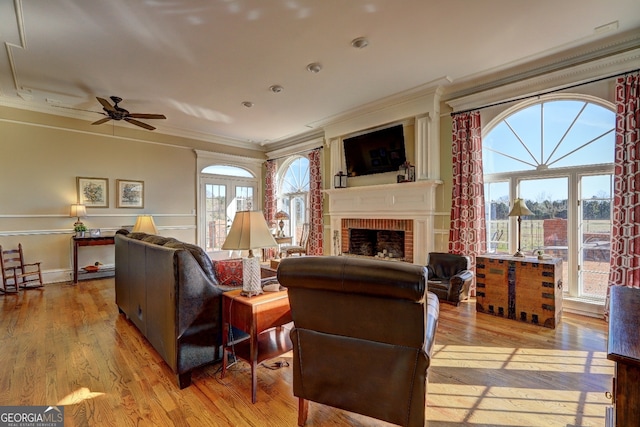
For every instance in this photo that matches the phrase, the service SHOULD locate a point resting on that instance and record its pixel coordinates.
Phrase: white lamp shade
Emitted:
(78, 211)
(520, 208)
(249, 230)
(145, 224)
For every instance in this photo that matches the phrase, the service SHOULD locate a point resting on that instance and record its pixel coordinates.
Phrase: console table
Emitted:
(262, 317)
(520, 288)
(623, 348)
(88, 241)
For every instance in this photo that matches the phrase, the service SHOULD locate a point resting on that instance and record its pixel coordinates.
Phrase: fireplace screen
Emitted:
(380, 243)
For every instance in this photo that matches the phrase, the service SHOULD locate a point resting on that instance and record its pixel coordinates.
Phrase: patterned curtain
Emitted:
(316, 225)
(467, 233)
(625, 233)
(270, 201)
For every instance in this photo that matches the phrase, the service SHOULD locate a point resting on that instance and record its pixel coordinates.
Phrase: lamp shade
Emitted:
(281, 215)
(519, 208)
(145, 224)
(249, 230)
(78, 211)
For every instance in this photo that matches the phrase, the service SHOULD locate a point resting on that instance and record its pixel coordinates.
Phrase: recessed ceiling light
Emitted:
(314, 67)
(360, 42)
(276, 88)
(247, 104)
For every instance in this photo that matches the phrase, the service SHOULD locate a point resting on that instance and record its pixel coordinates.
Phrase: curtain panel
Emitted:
(467, 234)
(316, 226)
(625, 233)
(270, 201)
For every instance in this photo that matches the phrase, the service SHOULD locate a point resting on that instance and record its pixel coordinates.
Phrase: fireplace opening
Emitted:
(376, 243)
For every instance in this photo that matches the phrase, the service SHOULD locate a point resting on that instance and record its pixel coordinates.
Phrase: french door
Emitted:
(222, 197)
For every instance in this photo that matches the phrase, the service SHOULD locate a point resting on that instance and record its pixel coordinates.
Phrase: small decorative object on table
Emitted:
(94, 232)
(92, 268)
(340, 180)
(407, 173)
(80, 229)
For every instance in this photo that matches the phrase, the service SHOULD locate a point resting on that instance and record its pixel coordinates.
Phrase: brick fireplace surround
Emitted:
(380, 224)
(408, 207)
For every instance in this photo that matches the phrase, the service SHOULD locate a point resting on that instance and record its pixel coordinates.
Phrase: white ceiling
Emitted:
(196, 61)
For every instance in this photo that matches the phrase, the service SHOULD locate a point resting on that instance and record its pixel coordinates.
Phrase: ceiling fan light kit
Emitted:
(115, 112)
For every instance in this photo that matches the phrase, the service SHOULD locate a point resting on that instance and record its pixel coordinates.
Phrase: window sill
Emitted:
(584, 306)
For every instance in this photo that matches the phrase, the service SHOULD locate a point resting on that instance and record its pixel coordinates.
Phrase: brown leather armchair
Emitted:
(363, 335)
(449, 276)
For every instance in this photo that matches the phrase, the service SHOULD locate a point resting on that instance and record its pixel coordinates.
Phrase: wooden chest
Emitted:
(524, 289)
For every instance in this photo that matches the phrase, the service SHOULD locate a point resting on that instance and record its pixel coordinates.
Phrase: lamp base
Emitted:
(251, 280)
(519, 254)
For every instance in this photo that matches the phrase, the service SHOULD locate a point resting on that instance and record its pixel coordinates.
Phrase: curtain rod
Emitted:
(308, 150)
(495, 104)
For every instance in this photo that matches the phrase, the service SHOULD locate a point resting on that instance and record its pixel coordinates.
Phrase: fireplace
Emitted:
(407, 208)
(377, 243)
(387, 238)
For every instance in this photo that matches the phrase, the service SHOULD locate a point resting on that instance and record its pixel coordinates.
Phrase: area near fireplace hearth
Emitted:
(408, 208)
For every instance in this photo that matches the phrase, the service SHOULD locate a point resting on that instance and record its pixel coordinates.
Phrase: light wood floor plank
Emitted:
(67, 345)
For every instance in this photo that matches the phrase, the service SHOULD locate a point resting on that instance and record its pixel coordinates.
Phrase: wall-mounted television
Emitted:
(375, 152)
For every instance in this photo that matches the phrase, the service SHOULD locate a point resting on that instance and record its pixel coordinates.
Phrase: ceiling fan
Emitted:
(115, 112)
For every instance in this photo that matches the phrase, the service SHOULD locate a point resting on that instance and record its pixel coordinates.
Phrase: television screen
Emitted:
(375, 152)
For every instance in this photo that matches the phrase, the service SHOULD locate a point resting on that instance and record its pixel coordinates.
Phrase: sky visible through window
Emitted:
(554, 134)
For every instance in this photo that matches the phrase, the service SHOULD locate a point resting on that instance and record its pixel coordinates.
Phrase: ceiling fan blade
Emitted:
(105, 104)
(147, 116)
(139, 123)
(101, 121)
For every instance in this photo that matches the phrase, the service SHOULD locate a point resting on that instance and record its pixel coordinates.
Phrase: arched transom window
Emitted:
(557, 155)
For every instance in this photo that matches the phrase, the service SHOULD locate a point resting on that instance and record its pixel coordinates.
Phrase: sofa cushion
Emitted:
(229, 272)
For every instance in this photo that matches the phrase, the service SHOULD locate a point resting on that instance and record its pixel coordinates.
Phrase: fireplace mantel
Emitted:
(408, 200)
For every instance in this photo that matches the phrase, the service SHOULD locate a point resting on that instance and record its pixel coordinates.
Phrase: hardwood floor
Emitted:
(67, 345)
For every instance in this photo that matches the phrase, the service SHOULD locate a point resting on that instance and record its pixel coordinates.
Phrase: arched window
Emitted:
(557, 155)
(293, 193)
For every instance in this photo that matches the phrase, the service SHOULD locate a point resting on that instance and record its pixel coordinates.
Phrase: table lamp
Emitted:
(145, 224)
(519, 209)
(249, 231)
(79, 211)
(281, 216)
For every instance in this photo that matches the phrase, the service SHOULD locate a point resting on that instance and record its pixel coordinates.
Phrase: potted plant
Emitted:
(540, 254)
(80, 229)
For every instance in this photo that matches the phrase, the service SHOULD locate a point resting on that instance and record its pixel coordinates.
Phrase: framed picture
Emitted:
(130, 193)
(93, 192)
(94, 232)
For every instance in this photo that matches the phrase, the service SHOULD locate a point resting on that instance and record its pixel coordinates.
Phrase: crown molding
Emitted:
(582, 73)
(611, 56)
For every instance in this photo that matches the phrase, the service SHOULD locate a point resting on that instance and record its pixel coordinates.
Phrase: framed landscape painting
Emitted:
(93, 192)
(130, 193)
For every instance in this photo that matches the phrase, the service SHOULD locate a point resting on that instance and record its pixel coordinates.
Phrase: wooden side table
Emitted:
(263, 317)
(88, 241)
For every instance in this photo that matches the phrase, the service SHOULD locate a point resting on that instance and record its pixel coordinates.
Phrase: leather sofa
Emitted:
(169, 290)
(363, 335)
(450, 276)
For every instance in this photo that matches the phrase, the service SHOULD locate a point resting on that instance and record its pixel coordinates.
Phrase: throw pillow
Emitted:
(229, 272)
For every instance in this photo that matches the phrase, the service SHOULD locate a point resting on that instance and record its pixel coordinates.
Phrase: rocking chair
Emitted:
(16, 273)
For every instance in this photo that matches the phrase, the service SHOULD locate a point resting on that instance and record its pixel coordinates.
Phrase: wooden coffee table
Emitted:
(264, 318)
